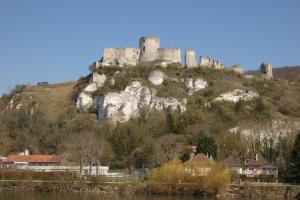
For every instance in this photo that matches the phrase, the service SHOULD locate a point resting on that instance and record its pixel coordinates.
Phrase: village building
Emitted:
(199, 165)
(49, 163)
(259, 166)
(234, 165)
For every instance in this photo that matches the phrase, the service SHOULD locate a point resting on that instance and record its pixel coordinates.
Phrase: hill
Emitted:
(149, 115)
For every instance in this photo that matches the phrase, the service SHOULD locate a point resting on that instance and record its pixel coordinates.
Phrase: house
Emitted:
(49, 163)
(259, 166)
(199, 165)
(234, 165)
(19, 161)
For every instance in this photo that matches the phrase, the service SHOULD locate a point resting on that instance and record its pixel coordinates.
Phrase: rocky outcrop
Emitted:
(126, 104)
(156, 77)
(237, 95)
(194, 84)
(273, 129)
(85, 99)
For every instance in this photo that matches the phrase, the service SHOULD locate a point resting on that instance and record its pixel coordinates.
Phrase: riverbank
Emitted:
(251, 190)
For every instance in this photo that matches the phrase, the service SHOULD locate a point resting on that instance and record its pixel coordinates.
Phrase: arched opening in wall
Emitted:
(144, 48)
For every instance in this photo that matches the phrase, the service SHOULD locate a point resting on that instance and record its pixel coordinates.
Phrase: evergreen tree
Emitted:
(206, 145)
(294, 161)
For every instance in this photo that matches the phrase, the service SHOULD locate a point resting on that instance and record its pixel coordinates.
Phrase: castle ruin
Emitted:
(266, 70)
(190, 58)
(149, 50)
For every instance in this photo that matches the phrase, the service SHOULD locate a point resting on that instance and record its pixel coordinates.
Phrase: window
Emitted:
(144, 48)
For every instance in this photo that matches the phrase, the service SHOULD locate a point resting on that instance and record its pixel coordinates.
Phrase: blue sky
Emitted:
(56, 40)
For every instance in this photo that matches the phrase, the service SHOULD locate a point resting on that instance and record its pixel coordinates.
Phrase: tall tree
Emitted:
(294, 161)
(206, 144)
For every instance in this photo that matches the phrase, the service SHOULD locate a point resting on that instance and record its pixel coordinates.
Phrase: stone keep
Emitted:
(120, 57)
(190, 58)
(149, 48)
(266, 70)
(204, 61)
(169, 55)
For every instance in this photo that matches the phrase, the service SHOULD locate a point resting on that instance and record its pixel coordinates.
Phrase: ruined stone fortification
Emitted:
(211, 63)
(149, 50)
(266, 70)
(120, 56)
(190, 58)
(148, 47)
(169, 55)
(237, 68)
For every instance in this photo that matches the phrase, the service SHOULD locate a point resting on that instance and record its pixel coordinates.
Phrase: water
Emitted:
(14, 195)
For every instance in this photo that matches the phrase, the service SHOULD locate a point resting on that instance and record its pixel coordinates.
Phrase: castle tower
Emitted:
(190, 58)
(266, 70)
(149, 48)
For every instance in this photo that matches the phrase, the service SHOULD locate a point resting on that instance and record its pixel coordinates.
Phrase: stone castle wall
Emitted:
(120, 57)
(149, 50)
(205, 61)
(169, 55)
(190, 58)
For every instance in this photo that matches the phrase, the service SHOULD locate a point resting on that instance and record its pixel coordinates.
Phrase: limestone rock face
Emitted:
(98, 79)
(272, 130)
(156, 77)
(194, 84)
(85, 99)
(126, 104)
(237, 95)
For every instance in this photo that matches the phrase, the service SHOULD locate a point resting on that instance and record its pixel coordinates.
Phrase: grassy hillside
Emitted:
(48, 121)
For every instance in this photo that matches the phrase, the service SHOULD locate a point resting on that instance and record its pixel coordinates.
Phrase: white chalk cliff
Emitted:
(85, 99)
(237, 95)
(126, 104)
(194, 84)
(123, 105)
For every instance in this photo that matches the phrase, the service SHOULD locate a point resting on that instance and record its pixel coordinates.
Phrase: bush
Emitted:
(172, 178)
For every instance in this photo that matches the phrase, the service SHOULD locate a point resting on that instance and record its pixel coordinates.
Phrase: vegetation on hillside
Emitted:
(49, 123)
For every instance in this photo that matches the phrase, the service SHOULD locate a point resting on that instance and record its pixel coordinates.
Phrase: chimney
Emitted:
(26, 152)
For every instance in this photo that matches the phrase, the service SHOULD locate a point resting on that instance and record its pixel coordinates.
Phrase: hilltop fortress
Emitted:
(149, 50)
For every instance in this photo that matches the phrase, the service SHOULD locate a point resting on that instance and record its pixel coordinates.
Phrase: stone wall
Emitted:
(169, 55)
(120, 57)
(190, 58)
(212, 63)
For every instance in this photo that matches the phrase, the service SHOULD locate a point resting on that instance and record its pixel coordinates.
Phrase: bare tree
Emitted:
(168, 145)
(80, 143)
(99, 146)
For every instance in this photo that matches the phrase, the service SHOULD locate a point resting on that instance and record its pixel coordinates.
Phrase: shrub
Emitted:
(217, 180)
(172, 178)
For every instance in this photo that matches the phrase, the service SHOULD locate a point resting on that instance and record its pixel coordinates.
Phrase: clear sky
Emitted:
(56, 40)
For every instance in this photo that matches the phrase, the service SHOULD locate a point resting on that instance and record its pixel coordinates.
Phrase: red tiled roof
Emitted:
(260, 161)
(200, 159)
(33, 159)
(231, 162)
